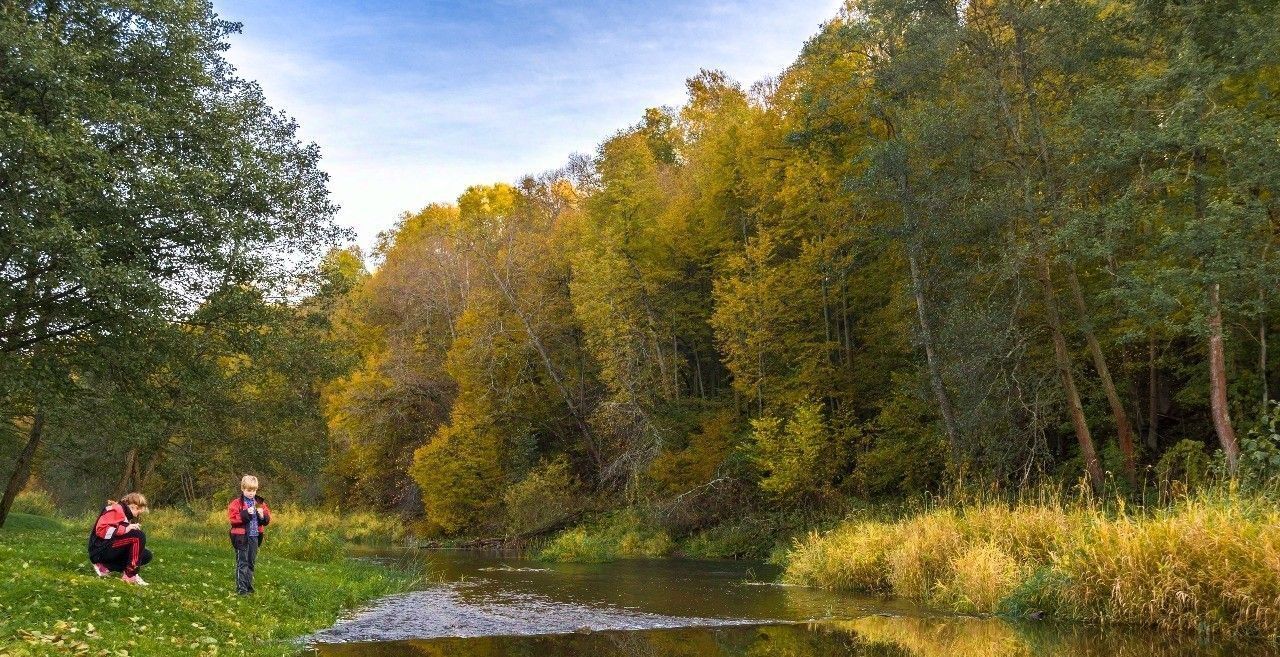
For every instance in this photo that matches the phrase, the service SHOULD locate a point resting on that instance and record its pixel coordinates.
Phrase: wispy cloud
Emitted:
(411, 102)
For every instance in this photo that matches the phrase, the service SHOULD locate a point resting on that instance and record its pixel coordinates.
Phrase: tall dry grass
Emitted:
(1208, 564)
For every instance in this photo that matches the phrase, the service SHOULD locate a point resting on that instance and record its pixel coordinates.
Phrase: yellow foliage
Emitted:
(458, 471)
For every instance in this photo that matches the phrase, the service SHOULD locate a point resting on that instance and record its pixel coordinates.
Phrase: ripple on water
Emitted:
(440, 611)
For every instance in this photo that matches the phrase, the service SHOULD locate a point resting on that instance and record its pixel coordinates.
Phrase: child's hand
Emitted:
(133, 527)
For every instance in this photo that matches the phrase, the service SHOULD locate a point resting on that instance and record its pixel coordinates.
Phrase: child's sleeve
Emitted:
(237, 519)
(266, 515)
(111, 523)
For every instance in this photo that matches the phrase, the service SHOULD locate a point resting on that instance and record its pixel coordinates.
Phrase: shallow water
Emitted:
(492, 606)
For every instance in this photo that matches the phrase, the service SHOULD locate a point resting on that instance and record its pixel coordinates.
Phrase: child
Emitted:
(249, 518)
(116, 542)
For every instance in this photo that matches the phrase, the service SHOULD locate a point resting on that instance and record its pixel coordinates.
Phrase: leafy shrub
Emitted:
(906, 454)
(752, 537)
(1185, 466)
(1260, 449)
(458, 471)
(619, 535)
(676, 471)
(798, 457)
(547, 496)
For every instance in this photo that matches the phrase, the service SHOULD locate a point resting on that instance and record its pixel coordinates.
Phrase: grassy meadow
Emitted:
(51, 602)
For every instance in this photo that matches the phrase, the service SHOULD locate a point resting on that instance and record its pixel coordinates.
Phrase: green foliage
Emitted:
(160, 214)
(798, 458)
(756, 536)
(1185, 464)
(618, 535)
(546, 497)
(458, 472)
(906, 455)
(1260, 449)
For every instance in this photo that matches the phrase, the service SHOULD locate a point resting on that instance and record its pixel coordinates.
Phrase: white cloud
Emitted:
(411, 105)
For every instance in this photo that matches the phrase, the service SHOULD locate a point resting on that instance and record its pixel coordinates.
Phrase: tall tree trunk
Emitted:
(1153, 398)
(1262, 349)
(1124, 430)
(1062, 359)
(945, 409)
(1218, 383)
(1041, 157)
(22, 470)
(152, 463)
(130, 473)
(906, 204)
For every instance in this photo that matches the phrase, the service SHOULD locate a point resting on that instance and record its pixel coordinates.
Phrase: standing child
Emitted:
(116, 542)
(249, 518)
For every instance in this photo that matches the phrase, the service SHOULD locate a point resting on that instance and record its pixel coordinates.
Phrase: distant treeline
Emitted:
(990, 243)
(996, 242)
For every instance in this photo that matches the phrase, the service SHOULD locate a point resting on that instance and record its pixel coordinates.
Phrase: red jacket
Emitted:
(238, 515)
(113, 522)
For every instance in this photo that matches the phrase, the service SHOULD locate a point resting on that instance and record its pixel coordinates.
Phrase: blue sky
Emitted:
(413, 101)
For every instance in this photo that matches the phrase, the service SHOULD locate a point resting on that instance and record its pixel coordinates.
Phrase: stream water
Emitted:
(491, 606)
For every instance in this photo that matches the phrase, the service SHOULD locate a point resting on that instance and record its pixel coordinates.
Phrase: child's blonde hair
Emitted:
(136, 499)
(248, 481)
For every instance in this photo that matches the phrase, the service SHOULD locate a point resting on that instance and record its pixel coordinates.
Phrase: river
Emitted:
(481, 605)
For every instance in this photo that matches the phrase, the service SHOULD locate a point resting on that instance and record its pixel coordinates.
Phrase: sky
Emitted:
(411, 102)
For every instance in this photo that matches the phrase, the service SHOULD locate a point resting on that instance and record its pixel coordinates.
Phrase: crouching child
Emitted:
(117, 543)
(249, 517)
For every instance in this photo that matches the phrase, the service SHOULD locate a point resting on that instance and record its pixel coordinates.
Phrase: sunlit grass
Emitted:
(305, 534)
(51, 602)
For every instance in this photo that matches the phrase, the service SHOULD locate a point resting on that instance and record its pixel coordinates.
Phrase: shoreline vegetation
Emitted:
(52, 603)
(1207, 563)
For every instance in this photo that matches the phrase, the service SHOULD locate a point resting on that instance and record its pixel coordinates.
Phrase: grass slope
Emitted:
(51, 602)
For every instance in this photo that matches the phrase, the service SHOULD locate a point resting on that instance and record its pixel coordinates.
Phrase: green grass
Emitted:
(295, 532)
(51, 602)
(617, 535)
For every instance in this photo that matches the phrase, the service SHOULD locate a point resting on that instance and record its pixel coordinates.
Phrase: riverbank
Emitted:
(1209, 564)
(52, 603)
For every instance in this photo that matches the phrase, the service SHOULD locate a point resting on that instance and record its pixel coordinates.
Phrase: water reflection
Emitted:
(490, 606)
(704, 589)
(867, 637)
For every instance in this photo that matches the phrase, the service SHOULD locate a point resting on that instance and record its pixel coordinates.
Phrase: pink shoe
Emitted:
(101, 570)
(135, 580)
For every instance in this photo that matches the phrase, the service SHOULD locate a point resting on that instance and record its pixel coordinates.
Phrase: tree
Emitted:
(139, 177)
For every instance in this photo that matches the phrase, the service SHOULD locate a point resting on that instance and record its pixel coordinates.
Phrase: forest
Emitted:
(993, 245)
